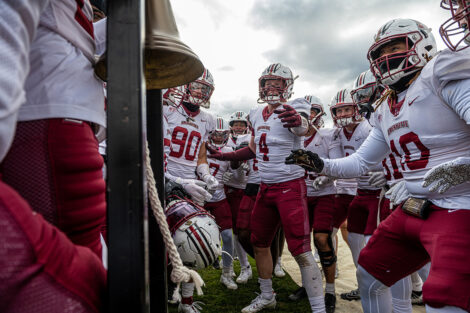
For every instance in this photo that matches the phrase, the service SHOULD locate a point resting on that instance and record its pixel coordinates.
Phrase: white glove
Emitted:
(196, 189)
(211, 182)
(446, 175)
(398, 193)
(205, 174)
(377, 179)
(320, 182)
(227, 176)
(244, 167)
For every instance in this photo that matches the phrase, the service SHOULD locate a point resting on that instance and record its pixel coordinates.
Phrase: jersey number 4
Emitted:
(185, 143)
(263, 147)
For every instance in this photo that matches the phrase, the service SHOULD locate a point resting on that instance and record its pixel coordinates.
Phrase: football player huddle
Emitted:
(393, 172)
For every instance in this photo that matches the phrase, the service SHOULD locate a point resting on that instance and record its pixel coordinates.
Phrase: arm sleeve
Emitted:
(100, 36)
(372, 151)
(20, 19)
(457, 95)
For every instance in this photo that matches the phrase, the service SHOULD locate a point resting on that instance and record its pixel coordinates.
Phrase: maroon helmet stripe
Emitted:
(199, 239)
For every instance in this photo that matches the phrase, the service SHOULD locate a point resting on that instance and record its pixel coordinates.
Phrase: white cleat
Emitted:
(232, 272)
(195, 307)
(278, 271)
(260, 303)
(227, 280)
(245, 274)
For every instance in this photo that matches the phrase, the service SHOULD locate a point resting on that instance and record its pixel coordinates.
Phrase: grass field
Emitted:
(218, 299)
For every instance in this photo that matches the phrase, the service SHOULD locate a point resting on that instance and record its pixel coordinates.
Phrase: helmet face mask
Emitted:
(218, 138)
(317, 108)
(455, 30)
(199, 92)
(238, 123)
(417, 47)
(275, 84)
(343, 102)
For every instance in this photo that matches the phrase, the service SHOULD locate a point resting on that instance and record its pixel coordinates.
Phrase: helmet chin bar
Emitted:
(345, 121)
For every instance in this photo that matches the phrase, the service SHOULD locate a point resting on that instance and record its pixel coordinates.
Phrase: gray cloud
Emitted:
(316, 37)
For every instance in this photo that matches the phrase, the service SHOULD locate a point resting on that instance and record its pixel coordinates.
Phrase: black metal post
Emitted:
(157, 251)
(127, 215)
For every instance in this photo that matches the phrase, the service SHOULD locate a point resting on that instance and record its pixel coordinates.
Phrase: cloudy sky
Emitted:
(323, 41)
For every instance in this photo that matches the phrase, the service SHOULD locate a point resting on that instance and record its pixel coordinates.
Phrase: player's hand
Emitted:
(245, 167)
(214, 153)
(289, 116)
(398, 193)
(320, 182)
(196, 188)
(377, 179)
(446, 175)
(227, 176)
(306, 159)
(211, 182)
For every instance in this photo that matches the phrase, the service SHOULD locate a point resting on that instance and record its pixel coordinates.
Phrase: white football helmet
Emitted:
(317, 106)
(271, 94)
(219, 136)
(363, 88)
(238, 116)
(455, 30)
(173, 96)
(421, 47)
(343, 99)
(195, 233)
(199, 92)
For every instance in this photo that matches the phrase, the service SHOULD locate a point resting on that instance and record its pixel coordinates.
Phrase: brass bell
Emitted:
(168, 62)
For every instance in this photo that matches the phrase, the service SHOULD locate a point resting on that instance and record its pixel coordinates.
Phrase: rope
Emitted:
(179, 273)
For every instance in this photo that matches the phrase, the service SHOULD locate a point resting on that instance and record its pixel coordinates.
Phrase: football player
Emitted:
(320, 197)
(38, 261)
(361, 219)
(235, 180)
(218, 204)
(426, 90)
(187, 131)
(279, 127)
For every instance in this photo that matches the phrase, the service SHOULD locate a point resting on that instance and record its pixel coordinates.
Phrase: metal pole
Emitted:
(126, 198)
(157, 251)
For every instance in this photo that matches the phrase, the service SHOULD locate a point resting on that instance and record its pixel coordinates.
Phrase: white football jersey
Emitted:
(274, 143)
(350, 142)
(217, 169)
(238, 180)
(253, 174)
(326, 145)
(18, 27)
(424, 131)
(61, 82)
(185, 135)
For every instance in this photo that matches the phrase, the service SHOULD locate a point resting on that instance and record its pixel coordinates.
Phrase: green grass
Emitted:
(218, 299)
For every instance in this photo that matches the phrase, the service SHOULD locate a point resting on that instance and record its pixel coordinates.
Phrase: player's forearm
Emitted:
(371, 152)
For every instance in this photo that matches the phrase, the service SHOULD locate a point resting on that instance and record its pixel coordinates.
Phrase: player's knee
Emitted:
(226, 235)
(305, 259)
(325, 247)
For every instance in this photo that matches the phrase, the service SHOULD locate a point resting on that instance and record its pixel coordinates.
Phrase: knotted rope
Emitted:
(180, 273)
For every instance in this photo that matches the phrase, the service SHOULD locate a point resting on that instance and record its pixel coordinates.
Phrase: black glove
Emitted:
(306, 159)
(174, 191)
